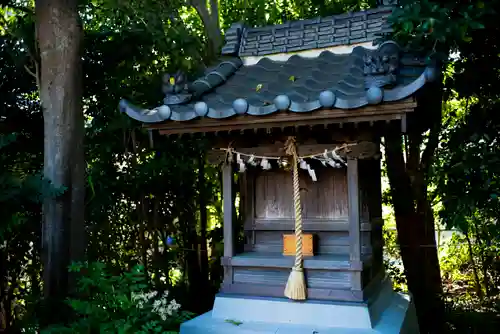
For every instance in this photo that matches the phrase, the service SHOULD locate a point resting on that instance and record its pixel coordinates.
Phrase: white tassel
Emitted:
(312, 174)
(331, 163)
(325, 155)
(337, 157)
(265, 164)
(252, 161)
(303, 164)
(241, 164)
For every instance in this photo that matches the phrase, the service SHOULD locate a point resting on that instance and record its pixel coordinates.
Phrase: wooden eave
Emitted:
(383, 112)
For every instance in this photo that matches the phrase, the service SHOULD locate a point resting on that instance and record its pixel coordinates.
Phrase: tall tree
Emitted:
(409, 180)
(59, 34)
(438, 27)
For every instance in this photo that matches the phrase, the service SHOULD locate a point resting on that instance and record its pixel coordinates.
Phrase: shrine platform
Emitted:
(390, 313)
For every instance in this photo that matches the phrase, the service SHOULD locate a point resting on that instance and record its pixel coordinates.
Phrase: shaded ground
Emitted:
(473, 321)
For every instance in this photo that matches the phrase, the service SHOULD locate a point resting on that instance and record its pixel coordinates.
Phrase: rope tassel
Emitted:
(296, 288)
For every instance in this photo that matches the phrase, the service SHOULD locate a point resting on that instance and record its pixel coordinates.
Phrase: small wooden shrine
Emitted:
(298, 110)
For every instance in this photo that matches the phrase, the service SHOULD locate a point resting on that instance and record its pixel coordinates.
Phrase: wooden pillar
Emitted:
(228, 209)
(354, 221)
(247, 197)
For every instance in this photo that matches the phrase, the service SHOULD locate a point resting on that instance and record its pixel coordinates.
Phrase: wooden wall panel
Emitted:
(370, 188)
(279, 277)
(366, 240)
(364, 207)
(326, 198)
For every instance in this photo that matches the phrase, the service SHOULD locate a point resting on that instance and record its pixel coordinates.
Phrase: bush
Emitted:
(119, 304)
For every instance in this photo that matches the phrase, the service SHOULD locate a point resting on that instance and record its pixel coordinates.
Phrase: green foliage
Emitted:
(468, 163)
(467, 170)
(392, 260)
(21, 185)
(472, 307)
(456, 267)
(16, 187)
(107, 303)
(263, 12)
(436, 25)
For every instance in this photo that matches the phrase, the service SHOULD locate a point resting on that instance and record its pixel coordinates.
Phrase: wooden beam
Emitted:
(332, 134)
(249, 211)
(276, 260)
(338, 224)
(366, 250)
(354, 221)
(229, 209)
(363, 150)
(403, 124)
(388, 111)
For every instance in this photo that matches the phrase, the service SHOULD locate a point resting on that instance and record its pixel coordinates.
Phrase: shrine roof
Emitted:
(321, 78)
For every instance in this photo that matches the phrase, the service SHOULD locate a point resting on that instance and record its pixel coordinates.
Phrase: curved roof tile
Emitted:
(300, 79)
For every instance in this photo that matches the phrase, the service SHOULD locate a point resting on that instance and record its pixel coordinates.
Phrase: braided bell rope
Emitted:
(296, 285)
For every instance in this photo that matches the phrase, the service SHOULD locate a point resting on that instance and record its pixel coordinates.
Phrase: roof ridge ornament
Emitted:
(175, 89)
(233, 39)
(381, 65)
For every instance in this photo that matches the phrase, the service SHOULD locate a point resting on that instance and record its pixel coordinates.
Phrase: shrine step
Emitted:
(278, 291)
(396, 315)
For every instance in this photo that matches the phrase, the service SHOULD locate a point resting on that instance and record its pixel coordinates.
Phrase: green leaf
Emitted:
(234, 322)
(476, 25)
(408, 26)
(425, 26)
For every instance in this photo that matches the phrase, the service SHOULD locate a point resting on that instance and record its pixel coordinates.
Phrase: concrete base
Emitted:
(391, 313)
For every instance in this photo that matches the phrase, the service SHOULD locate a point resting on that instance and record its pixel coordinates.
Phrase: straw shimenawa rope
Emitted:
(296, 285)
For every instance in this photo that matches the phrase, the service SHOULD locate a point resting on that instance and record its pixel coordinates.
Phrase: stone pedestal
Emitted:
(390, 313)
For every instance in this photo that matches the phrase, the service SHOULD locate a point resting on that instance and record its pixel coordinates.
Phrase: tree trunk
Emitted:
(60, 42)
(209, 14)
(416, 233)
